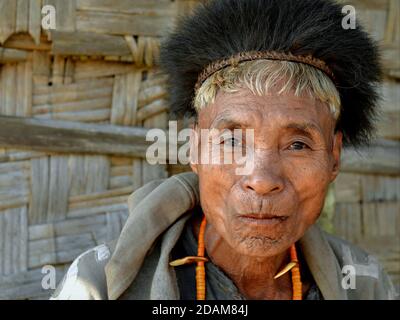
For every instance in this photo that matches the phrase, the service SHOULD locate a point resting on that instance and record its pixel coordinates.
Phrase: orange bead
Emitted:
(296, 278)
(201, 272)
(200, 269)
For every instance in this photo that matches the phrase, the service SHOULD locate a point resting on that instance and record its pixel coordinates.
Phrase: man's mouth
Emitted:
(262, 219)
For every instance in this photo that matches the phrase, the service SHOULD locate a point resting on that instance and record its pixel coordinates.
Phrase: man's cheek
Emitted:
(310, 186)
(220, 175)
(309, 175)
(312, 194)
(311, 203)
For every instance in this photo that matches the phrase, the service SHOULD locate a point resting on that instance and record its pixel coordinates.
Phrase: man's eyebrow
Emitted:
(226, 120)
(307, 128)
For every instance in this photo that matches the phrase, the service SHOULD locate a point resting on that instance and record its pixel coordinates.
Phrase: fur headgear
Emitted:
(221, 29)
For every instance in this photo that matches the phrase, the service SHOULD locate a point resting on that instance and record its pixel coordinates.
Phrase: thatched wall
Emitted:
(81, 95)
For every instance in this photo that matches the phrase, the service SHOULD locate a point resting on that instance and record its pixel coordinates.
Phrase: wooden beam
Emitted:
(123, 24)
(381, 157)
(12, 55)
(88, 43)
(72, 137)
(148, 7)
(24, 41)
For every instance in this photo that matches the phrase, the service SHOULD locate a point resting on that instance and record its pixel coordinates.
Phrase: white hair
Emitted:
(260, 76)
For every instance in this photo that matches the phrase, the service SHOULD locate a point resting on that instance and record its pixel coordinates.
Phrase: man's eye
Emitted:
(232, 142)
(298, 145)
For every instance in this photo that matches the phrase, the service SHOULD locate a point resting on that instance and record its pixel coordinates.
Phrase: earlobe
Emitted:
(336, 153)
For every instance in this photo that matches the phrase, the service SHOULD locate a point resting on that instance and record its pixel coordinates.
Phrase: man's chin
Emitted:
(261, 246)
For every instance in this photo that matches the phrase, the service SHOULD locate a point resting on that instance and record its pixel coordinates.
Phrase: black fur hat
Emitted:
(222, 28)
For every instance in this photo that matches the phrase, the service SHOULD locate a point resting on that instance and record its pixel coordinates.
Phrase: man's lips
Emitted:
(263, 216)
(262, 219)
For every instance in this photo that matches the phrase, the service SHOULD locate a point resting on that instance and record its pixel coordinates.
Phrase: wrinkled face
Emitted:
(295, 157)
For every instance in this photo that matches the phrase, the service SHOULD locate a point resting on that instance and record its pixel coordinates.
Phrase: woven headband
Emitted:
(256, 55)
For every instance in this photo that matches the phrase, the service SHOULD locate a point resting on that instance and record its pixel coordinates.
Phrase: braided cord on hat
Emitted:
(258, 55)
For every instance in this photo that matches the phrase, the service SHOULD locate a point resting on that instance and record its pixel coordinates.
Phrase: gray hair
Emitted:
(260, 76)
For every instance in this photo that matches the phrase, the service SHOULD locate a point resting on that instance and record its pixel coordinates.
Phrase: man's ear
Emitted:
(194, 147)
(336, 152)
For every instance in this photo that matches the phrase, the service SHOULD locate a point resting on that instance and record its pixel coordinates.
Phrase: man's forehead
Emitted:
(233, 120)
(246, 111)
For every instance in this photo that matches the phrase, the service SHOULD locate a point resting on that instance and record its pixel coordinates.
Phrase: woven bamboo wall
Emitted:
(97, 67)
(367, 192)
(98, 70)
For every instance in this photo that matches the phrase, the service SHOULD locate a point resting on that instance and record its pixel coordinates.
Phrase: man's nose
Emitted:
(266, 177)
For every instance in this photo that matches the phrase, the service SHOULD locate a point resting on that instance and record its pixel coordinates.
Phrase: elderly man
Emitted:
(288, 71)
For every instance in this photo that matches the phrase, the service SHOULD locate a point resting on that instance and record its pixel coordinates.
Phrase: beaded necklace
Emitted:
(292, 266)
